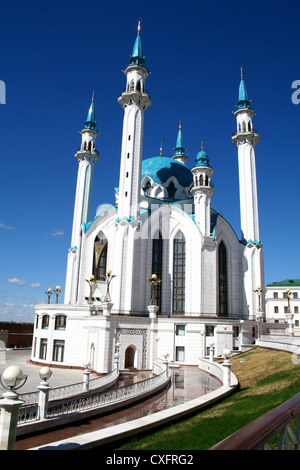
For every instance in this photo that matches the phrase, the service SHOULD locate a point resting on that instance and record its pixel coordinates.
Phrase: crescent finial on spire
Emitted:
(93, 95)
(139, 26)
(161, 147)
(202, 142)
(242, 76)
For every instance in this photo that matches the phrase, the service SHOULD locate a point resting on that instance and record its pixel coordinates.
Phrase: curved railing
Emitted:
(90, 401)
(65, 391)
(114, 396)
(279, 422)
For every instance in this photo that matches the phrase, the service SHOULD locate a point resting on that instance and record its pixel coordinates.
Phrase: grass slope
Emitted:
(267, 378)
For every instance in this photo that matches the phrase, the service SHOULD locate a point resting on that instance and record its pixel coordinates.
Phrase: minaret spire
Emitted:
(245, 139)
(179, 151)
(161, 148)
(137, 51)
(134, 101)
(87, 156)
(202, 191)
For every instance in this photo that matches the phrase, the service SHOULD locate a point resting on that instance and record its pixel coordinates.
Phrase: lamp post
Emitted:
(166, 362)
(49, 293)
(289, 315)
(44, 389)
(12, 379)
(211, 352)
(202, 333)
(259, 291)
(153, 281)
(57, 291)
(288, 294)
(258, 318)
(86, 376)
(108, 278)
(242, 333)
(226, 368)
(91, 282)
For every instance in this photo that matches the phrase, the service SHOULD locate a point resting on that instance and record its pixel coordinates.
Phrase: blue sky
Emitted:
(53, 54)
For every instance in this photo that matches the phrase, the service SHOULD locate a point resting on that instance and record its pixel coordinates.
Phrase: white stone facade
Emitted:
(162, 222)
(280, 309)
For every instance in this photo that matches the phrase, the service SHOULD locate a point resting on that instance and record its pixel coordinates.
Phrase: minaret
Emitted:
(134, 100)
(202, 191)
(179, 151)
(245, 139)
(87, 156)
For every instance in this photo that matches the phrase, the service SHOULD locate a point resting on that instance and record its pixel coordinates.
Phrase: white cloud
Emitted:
(15, 280)
(57, 233)
(20, 313)
(35, 284)
(6, 227)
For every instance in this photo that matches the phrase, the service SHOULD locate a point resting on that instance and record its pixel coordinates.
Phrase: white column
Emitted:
(8, 421)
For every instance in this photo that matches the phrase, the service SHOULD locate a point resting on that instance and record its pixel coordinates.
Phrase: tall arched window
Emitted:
(179, 274)
(147, 189)
(222, 280)
(157, 253)
(171, 190)
(100, 257)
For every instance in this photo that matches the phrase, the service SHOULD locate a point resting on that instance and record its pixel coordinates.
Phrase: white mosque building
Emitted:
(159, 271)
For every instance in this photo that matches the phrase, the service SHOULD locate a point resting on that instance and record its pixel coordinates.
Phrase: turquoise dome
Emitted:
(160, 169)
(202, 159)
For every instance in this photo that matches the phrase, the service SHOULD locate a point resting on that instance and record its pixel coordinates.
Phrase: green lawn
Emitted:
(267, 379)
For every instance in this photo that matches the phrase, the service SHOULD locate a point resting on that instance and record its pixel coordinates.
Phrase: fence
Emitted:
(101, 400)
(69, 390)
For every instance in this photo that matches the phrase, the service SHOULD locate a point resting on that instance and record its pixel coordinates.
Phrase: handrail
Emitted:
(255, 435)
(65, 391)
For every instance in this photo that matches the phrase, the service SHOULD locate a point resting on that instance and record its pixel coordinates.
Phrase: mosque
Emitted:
(159, 273)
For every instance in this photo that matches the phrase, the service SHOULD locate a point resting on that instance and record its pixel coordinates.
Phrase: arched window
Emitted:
(100, 257)
(179, 274)
(45, 322)
(201, 180)
(222, 280)
(157, 253)
(147, 189)
(132, 85)
(171, 190)
(249, 126)
(206, 180)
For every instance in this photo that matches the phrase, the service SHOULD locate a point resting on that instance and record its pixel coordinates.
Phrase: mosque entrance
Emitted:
(129, 357)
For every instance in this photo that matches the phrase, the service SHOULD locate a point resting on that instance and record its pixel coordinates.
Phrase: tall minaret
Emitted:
(202, 191)
(134, 100)
(87, 156)
(245, 139)
(179, 151)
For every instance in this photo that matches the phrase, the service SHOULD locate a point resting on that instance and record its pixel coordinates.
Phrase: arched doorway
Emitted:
(129, 357)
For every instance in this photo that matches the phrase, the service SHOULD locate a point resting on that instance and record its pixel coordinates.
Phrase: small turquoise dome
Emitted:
(202, 159)
(160, 169)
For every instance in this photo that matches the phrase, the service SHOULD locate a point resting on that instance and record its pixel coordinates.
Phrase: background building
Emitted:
(281, 303)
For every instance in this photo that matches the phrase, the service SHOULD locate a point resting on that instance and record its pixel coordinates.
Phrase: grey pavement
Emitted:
(19, 357)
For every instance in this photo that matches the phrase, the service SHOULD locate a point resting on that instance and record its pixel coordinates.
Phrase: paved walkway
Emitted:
(20, 357)
(189, 384)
